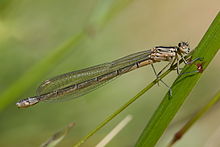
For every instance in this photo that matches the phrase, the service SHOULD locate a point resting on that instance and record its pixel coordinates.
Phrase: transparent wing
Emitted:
(78, 93)
(72, 78)
(82, 91)
(79, 76)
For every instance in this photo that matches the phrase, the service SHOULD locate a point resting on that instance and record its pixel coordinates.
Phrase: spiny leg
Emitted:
(155, 73)
(191, 62)
(159, 73)
(157, 76)
(178, 65)
(182, 57)
(194, 60)
(176, 60)
(170, 90)
(173, 62)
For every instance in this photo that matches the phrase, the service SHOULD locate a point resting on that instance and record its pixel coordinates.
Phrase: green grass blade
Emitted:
(183, 85)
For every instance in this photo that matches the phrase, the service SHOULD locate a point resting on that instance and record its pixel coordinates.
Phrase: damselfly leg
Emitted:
(178, 69)
(157, 76)
(198, 65)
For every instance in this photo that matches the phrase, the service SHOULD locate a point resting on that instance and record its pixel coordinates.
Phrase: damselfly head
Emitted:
(184, 47)
(27, 102)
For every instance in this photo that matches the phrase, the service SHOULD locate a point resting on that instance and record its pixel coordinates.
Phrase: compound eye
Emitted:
(180, 44)
(188, 50)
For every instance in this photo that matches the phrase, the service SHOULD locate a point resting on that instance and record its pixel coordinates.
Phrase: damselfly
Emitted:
(78, 83)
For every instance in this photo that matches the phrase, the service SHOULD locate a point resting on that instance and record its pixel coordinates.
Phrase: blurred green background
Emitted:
(32, 30)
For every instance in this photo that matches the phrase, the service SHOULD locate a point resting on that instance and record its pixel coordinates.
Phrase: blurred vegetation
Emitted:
(188, 125)
(32, 31)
